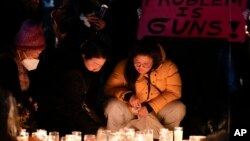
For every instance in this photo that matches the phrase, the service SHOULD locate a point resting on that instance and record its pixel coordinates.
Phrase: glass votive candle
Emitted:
(53, 136)
(163, 135)
(178, 133)
(78, 135)
(170, 135)
(22, 132)
(69, 137)
(89, 137)
(63, 138)
(102, 134)
(130, 134)
(140, 136)
(41, 134)
(23, 137)
(196, 137)
(149, 136)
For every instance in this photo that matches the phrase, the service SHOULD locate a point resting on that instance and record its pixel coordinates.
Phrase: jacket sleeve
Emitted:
(172, 88)
(73, 90)
(116, 85)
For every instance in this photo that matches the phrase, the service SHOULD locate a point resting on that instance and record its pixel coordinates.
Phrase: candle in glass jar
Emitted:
(178, 133)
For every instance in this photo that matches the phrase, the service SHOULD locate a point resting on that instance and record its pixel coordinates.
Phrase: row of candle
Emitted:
(126, 134)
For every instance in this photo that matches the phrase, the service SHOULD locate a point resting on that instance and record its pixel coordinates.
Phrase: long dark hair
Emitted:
(90, 49)
(8, 116)
(141, 47)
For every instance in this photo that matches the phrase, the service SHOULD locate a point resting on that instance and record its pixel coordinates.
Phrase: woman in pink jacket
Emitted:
(146, 91)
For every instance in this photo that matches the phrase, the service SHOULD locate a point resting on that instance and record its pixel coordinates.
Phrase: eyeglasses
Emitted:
(145, 65)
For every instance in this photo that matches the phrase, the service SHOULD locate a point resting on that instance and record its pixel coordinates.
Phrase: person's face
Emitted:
(143, 63)
(94, 64)
(29, 59)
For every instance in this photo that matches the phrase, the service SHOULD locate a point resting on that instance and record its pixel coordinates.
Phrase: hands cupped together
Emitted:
(141, 111)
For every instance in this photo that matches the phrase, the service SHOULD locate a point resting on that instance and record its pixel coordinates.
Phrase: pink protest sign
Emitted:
(193, 19)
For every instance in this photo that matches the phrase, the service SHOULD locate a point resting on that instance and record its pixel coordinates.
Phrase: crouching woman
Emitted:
(145, 91)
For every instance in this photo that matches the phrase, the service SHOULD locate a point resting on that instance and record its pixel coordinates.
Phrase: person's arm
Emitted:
(172, 86)
(95, 21)
(116, 85)
(74, 89)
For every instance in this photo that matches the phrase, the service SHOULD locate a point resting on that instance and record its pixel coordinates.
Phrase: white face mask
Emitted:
(30, 64)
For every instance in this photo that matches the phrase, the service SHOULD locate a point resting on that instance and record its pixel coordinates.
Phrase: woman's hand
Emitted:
(99, 24)
(143, 112)
(135, 102)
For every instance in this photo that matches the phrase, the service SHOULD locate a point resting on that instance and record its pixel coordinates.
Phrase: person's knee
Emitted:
(173, 114)
(178, 111)
(115, 114)
(112, 107)
(181, 111)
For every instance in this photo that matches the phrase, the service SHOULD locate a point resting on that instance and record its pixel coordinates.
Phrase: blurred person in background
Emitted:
(77, 21)
(29, 42)
(80, 21)
(8, 116)
(8, 28)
